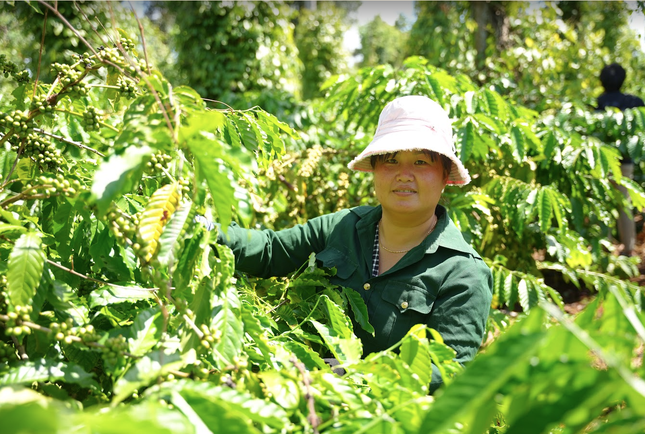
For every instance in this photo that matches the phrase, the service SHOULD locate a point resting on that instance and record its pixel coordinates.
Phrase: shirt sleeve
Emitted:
(267, 253)
(461, 310)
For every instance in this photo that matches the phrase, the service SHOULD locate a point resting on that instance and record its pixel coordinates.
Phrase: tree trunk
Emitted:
(481, 13)
(492, 20)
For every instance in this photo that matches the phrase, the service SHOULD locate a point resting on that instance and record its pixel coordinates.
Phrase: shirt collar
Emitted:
(444, 235)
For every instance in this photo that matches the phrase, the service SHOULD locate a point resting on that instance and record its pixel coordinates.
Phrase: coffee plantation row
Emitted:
(120, 313)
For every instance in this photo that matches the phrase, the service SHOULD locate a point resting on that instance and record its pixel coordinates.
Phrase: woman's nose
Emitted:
(405, 173)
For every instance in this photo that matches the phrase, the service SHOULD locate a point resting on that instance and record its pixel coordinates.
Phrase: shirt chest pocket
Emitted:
(408, 298)
(404, 305)
(334, 258)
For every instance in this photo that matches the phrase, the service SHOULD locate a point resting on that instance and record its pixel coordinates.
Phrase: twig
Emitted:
(62, 18)
(219, 102)
(15, 162)
(289, 185)
(23, 195)
(91, 279)
(69, 142)
(312, 417)
(40, 52)
(277, 306)
(21, 349)
(154, 93)
(143, 38)
(89, 22)
(193, 326)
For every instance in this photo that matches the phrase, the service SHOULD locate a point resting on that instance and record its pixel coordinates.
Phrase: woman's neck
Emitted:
(403, 234)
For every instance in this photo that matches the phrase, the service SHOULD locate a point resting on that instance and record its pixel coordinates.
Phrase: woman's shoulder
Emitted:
(356, 213)
(453, 239)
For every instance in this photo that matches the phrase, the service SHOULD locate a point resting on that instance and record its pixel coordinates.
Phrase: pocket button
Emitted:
(366, 287)
(404, 305)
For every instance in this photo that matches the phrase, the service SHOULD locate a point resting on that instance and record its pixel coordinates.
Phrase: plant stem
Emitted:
(143, 38)
(22, 195)
(69, 142)
(312, 417)
(103, 86)
(62, 18)
(40, 52)
(15, 162)
(21, 349)
(91, 279)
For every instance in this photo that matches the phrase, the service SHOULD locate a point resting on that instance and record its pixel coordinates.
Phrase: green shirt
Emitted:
(442, 282)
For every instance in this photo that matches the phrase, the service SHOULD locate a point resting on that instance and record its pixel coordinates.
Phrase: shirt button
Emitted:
(366, 287)
(404, 305)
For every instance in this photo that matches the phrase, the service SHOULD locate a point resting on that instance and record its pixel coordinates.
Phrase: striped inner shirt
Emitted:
(375, 255)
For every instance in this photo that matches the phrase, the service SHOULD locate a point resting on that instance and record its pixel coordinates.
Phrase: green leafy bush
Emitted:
(120, 313)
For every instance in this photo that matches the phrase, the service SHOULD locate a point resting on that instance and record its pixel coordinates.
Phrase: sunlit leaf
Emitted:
(26, 263)
(48, 370)
(118, 174)
(145, 332)
(158, 211)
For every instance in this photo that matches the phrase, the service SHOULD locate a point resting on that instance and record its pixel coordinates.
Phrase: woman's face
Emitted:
(409, 182)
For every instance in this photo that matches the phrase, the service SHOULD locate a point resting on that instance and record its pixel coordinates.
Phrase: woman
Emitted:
(405, 257)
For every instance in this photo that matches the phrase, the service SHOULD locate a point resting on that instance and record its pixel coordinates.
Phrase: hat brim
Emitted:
(411, 140)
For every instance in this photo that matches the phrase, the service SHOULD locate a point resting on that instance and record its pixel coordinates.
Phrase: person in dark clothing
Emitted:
(612, 78)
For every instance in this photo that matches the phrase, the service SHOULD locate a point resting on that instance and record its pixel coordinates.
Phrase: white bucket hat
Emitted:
(413, 123)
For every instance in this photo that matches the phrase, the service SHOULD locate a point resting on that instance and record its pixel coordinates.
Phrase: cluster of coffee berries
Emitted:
(277, 168)
(63, 332)
(9, 68)
(53, 185)
(121, 224)
(211, 336)
(87, 333)
(111, 55)
(40, 103)
(341, 193)
(311, 162)
(85, 59)
(21, 77)
(78, 89)
(4, 295)
(199, 370)
(127, 87)
(158, 162)
(91, 118)
(67, 74)
(14, 326)
(127, 44)
(41, 150)
(184, 186)
(113, 349)
(7, 352)
(17, 120)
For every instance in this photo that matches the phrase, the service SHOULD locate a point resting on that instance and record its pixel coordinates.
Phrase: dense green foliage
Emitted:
(119, 313)
(547, 57)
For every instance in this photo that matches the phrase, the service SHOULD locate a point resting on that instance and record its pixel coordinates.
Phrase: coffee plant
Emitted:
(120, 313)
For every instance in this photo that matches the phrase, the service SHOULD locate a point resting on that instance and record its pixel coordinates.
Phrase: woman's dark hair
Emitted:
(446, 162)
(612, 77)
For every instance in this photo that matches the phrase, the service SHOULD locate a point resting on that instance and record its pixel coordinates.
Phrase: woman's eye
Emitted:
(391, 161)
(421, 162)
